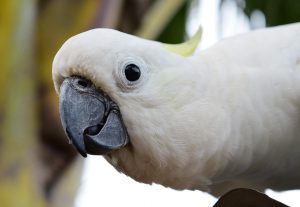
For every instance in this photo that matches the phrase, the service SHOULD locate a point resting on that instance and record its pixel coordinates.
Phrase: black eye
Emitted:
(132, 72)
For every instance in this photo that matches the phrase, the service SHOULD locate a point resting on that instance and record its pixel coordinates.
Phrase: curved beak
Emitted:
(91, 120)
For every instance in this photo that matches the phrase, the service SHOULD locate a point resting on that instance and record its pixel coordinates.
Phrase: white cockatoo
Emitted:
(221, 118)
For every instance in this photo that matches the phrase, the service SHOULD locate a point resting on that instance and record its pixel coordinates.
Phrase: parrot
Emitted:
(213, 120)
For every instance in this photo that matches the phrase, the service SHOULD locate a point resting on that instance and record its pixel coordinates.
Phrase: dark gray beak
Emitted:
(91, 120)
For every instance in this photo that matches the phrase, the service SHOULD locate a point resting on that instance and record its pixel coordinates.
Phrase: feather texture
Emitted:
(225, 117)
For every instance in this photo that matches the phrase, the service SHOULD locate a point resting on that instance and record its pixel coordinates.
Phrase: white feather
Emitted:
(226, 117)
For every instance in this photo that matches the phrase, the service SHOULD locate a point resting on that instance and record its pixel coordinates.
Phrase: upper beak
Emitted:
(91, 120)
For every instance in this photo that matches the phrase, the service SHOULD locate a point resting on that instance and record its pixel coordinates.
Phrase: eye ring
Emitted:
(131, 72)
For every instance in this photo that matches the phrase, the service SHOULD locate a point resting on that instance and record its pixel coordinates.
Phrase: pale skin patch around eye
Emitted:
(120, 76)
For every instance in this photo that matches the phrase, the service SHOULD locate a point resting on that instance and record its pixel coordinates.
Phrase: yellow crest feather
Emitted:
(187, 48)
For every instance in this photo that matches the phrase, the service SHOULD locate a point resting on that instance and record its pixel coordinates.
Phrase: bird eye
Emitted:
(132, 72)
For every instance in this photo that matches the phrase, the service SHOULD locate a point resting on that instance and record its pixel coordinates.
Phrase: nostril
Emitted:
(93, 130)
(83, 83)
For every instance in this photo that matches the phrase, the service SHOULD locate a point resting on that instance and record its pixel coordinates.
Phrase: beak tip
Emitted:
(78, 145)
(84, 155)
(82, 152)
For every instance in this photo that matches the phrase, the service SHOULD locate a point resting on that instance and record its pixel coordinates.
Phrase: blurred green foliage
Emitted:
(175, 30)
(277, 12)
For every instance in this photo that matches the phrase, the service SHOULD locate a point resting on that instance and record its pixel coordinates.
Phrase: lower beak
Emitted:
(91, 120)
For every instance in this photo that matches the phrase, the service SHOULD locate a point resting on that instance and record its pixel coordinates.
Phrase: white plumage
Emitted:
(226, 117)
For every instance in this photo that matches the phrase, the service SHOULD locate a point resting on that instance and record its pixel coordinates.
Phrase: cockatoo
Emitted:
(214, 120)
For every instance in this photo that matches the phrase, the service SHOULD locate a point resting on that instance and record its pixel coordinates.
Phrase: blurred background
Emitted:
(37, 165)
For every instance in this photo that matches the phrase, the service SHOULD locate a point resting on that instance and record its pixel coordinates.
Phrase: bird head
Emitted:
(125, 98)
